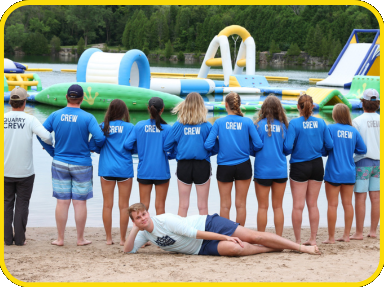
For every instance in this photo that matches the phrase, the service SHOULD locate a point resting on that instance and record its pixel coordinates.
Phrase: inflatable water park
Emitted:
(127, 76)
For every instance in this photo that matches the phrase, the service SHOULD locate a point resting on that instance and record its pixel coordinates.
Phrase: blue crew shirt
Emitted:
(188, 140)
(115, 160)
(340, 167)
(306, 139)
(153, 160)
(271, 161)
(236, 135)
(72, 127)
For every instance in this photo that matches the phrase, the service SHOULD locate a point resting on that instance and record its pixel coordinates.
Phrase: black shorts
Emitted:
(152, 181)
(338, 184)
(112, 178)
(307, 170)
(268, 182)
(229, 173)
(193, 171)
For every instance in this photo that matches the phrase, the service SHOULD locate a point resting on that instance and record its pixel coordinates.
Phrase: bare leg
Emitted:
(125, 188)
(299, 191)
(360, 199)
(145, 194)
(227, 248)
(262, 195)
(271, 240)
(61, 214)
(108, 188)
(346, 199)
(202, 197)
(278, 190)
(80, 207)
(225, 189)
(241, 187)
(375, 212)
(332, 193)
(312, 196)
(161, 196)
(184, 195)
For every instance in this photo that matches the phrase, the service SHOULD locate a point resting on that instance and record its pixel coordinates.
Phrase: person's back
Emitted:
(19, 173)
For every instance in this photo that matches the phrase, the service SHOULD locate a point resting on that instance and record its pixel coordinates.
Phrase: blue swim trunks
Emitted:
(72, 181)
(217, 224)
(367, 175)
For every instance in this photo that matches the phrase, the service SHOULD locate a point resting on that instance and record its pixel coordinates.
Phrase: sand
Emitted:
(39, 261)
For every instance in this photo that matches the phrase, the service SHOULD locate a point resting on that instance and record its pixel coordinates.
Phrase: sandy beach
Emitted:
(39, 261)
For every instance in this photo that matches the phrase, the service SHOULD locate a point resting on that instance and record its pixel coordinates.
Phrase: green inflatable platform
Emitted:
(360, 84)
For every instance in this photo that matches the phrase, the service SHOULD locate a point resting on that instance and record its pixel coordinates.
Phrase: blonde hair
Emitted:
(192, 111)
(341, 114)
(135, 208)
(234, 102)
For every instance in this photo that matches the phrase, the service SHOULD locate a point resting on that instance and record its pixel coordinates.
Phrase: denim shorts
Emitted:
(72, 181)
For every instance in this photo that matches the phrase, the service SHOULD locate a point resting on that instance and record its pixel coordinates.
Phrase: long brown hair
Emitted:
(305, 103)
(192, 111)
(155, 115)
(117, 110)
(233, 100)
(272, 109)
(341, 114)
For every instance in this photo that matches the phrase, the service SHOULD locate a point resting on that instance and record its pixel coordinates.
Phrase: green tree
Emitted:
(335, 52)
(35, 44)
(180, 57)
(168, 50)
(35, 25)
(310, 43)
(55, 44)
(80, 46)
(15, 36)
(318, 37)
(274, 48)
(294, 50)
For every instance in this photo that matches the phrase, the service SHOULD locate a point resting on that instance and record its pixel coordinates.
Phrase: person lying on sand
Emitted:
(203, 235)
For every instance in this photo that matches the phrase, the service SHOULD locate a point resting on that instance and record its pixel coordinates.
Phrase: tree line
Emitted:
(318, 30)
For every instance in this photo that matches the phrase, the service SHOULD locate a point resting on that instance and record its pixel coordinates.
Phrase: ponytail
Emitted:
(305, 103)
(156, 116)
(234, 102)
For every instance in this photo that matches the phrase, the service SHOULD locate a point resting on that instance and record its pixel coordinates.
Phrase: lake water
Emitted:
(42, 206)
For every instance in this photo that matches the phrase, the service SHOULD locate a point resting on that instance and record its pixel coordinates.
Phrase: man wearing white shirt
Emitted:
(203, 235)
(19, 174)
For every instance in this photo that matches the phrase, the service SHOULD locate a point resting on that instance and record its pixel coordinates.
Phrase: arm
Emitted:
(256, 140)
(211, 140)
(289, 139)
(206, 235)
(97, 134)
(41, 132)
(131, 140)
(170, 139)
(216, 147)
(134, 241)
(328, 141)
(360, 147)
(48, 148)
(285, 150)
(93, 147)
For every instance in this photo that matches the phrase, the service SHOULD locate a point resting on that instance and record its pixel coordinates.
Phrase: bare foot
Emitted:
(146, 244)
(372, 235)
(109, 242)
(122, 242)
(329, 241)
(313, 250)
(356, 237)
(83, 242)
(343, 239)
(58, 242)
(25, 242)
(310, 242)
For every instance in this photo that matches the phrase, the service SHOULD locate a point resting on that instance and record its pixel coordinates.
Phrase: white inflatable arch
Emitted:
(245, 56)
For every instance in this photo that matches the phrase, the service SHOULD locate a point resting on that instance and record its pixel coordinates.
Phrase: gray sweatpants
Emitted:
(17, 190)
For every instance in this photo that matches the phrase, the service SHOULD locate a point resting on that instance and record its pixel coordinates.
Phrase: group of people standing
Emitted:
(192, 140)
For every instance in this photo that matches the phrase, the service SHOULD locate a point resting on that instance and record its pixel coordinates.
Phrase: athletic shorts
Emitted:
(229, 173)
(338, 184)
(307, 170)
(118, 179)
(367, 177)
(268, 182)
(152, 181)
(193, 171)
(217, 224)
(72, 181)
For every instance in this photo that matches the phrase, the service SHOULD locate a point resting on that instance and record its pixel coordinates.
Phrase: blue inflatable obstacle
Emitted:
(13, 67)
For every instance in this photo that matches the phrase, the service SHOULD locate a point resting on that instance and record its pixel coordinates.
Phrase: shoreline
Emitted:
(39, 261)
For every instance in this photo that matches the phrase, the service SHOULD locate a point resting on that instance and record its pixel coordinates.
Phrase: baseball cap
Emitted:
(75, 91)
(157, 103)
(18, 94)
(371, 95)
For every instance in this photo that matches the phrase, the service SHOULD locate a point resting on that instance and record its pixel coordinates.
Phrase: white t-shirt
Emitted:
(173, 233)
(368, 125)
(19, 128)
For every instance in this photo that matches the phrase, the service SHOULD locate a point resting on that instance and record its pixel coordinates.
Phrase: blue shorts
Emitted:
(367, 175)
(72, 181)
(217, 224)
